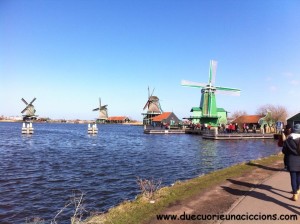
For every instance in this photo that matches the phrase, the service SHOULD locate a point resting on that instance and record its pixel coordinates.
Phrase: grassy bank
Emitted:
(141, 210)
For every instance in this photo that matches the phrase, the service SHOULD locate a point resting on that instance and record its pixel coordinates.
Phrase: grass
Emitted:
(141, 211)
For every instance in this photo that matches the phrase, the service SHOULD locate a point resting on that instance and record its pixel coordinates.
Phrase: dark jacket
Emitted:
(291, 151)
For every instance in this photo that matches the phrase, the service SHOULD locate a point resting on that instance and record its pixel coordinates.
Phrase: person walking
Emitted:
(291, 151)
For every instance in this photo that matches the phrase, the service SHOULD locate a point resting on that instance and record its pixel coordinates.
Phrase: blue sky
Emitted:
(69, 53)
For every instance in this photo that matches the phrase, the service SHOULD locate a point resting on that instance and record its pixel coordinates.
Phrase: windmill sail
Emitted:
(212, 72)
(193, 84)
(228, 91)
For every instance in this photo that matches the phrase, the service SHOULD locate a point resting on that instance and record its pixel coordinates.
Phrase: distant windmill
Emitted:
(29, 109)
(103, 115)
(208, 99)
(152, 105)
(153, 108)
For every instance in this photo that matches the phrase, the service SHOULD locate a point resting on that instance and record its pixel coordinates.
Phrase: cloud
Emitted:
(273, 88)
(294, 93)
(269, 78)
(294, 82)
(288, 74)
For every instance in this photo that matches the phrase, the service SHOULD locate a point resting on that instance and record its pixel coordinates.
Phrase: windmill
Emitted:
(29, 109)
(153, 108)
(208, 106)
(102, 112)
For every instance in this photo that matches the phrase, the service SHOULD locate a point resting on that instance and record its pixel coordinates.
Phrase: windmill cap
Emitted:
(296, 128)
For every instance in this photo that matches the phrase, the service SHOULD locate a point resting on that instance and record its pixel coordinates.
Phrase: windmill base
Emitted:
(212, 121)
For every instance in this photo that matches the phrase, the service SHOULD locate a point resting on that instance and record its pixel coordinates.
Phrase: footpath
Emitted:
(260, 197)
(269, 202)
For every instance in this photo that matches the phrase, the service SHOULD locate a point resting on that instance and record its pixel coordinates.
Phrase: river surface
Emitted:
(41, 172)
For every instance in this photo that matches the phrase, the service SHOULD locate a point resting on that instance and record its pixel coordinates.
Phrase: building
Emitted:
(250, 120)
(166, 118)
(117, 120)
(294, 120)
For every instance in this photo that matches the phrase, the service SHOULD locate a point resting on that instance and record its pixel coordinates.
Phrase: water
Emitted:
(39, 173)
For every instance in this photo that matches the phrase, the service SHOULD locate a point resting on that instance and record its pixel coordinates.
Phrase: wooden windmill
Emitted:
(208, 107)
(153, 108)
(103, 115)
(30, 111)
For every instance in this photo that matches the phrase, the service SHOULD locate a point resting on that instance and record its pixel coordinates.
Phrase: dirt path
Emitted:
(219, 199)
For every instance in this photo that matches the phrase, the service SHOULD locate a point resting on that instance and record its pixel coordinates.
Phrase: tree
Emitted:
(237, 114)
(278, 113)
(272, 113)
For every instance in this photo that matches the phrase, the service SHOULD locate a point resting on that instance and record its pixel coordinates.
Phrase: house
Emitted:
(294, 120)
(117, 120)
(166, 118)
(249, 120)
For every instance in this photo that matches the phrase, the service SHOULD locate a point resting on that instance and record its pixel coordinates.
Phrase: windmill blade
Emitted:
(152, 92)
(24, 110)
(96, 109)
(24, 101)
(225, 92)
(103, 107)
(193, 84)
(32, 101)
(160, 108)
(148, 102)
(212, 72)
(228, 91)
(99, 102)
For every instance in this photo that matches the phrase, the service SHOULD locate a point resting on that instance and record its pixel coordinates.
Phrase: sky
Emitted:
(67, 54)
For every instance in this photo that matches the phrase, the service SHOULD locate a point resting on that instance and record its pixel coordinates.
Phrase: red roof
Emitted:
(248, 119)
(162, 116)
(117, 118)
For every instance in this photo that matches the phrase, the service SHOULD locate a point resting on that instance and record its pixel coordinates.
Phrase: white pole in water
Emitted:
(215, 131)
(92, 129)
(27, 128)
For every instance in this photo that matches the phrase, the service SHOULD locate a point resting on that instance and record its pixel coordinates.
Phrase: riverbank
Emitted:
(202, 195)
(137, 123)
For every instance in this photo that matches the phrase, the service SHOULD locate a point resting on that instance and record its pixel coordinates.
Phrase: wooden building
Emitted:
(250, 120)
(166, 118)
(294, 120)
(117, 120)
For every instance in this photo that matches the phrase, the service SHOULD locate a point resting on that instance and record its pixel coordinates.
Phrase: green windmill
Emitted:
(208, 113)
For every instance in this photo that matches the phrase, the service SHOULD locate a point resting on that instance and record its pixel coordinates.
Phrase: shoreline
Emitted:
(203, 192)
(70, 122)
